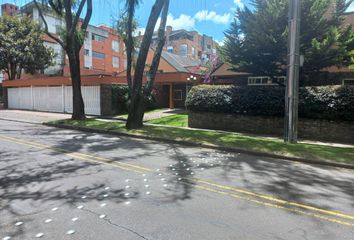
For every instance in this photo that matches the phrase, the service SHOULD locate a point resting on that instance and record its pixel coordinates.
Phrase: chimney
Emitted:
(168, 33)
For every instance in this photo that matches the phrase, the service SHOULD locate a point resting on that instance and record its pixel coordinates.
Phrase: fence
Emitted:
(53, 99)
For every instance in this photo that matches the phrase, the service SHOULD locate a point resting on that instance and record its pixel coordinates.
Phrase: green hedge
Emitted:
(120, 100)
(314, 102)
(1, 92)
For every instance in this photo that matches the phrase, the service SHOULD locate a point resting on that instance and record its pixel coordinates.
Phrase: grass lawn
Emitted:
(234, 140)
(178, 120)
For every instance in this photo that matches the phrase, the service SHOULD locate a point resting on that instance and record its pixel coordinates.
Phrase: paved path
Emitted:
(163, 113)
(72, 185)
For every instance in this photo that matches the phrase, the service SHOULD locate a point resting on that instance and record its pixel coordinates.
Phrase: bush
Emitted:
(1, 92)
(120, 100)
(314, 102)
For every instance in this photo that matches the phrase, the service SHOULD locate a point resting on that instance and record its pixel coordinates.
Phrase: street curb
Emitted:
(19, 121)
(204, 145)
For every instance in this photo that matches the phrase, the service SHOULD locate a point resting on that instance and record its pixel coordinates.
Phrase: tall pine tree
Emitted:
(257, 39)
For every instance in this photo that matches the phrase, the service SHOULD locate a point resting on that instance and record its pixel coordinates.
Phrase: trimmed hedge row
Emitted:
(1, 93)
(120, 100)
(332, 103)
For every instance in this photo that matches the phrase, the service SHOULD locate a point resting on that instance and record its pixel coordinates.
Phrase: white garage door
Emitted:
(53, 99)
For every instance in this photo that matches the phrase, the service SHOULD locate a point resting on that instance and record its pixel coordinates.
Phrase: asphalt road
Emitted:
(63, 184)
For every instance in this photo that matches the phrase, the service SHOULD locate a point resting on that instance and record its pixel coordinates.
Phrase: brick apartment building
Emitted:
(102, 53)
(102, 64)
(8, 9)
(188, 44)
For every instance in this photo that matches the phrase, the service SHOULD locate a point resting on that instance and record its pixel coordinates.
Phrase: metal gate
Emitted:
(53, 99)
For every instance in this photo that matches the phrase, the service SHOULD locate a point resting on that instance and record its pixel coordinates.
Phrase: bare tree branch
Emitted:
(68, 18)
(58, 9)
(158, 51)
(145, 46)
(129, 43)
(77, 16)
(88, 15)
(58, 40)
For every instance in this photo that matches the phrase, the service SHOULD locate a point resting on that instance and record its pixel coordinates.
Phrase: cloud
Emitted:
(239, 3)
(183, 21)
(205, 15)
(351, 8)
(221, 43)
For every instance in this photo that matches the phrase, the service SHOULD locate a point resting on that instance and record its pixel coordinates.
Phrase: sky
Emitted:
(210, 17)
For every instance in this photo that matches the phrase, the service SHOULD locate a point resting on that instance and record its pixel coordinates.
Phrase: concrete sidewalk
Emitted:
(31, 116)
(42, 117)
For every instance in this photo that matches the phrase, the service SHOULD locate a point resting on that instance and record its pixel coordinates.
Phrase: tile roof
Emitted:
(180, 63)
(225, 70)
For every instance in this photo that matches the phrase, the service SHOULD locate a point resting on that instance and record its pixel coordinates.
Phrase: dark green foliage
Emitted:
(120, 96)
(22, 47)
(320, 103)
(119, 99)
(1, 92)
(256, 41)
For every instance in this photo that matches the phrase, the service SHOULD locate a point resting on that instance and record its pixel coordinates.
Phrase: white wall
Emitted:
(53, 99)
(54, 25)
(88, 46)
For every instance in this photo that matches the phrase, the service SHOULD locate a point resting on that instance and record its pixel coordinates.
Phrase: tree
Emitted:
(257, 39)
(138, 92)
(22, 47)
(71, 40)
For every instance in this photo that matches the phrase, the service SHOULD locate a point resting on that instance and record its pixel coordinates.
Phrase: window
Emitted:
(348, 82)
(281, 79)
(115, 46)
(98, 38)
(193, 52)
(183, 50)
(266, 80)
(259, 80)
(58, 29)
(177, 95)
(98, 55)
(87, 52)
(125, 63)
(115, 62)
(170, 49)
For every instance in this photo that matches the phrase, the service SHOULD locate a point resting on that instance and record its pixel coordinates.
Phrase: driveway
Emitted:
(63, 184)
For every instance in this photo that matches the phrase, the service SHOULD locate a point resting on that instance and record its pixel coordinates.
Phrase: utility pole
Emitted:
(292, 84)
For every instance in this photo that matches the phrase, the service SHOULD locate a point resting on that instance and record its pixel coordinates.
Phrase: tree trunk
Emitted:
(78, 102)
(12, 71)
(136, 112)
(137, 105)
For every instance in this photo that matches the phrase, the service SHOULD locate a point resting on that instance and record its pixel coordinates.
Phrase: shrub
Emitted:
(1, 92)
(120, 101)
(314, 102)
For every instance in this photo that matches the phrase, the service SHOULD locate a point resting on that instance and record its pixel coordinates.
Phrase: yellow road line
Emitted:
(78, 154)
(276, 206)
(71, 154)
(139, 169)
(337, 214)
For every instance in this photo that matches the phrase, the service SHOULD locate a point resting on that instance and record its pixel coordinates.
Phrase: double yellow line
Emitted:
(233, 192)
